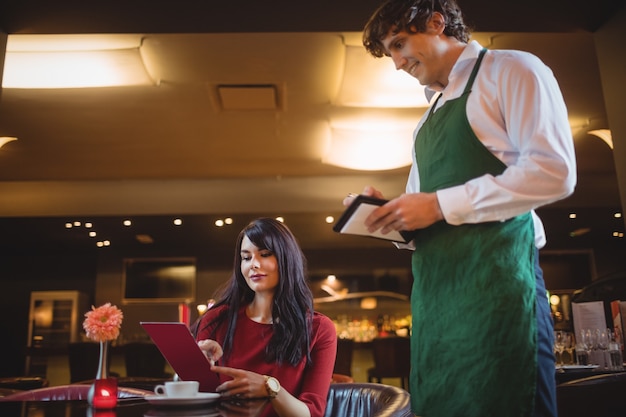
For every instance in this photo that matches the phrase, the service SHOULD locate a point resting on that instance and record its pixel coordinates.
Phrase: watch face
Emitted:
(273, 384)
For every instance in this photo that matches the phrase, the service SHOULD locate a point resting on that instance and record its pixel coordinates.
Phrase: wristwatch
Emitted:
(272, 386)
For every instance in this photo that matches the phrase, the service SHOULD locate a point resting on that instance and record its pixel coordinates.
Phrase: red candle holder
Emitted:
(105, 393)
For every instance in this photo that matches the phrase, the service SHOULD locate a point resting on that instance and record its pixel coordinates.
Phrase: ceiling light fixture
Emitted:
(74, 61)
(6, 139)
(604, 134)
(368, 147)
(370, 82)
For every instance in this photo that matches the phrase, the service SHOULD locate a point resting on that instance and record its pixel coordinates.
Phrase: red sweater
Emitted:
(309, 384)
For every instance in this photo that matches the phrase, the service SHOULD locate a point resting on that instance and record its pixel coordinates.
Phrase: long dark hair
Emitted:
(411, 16)
(292, 309)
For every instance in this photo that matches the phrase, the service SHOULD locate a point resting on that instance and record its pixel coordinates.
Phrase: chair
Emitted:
(343, 362)
(84, 358)
(70, 392)
(341, 379)
(367, 400)
(144, 359)
(391, 360)
(597, 396)
(23, 382)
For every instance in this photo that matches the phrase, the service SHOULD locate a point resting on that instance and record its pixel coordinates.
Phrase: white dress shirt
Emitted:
(517, 111)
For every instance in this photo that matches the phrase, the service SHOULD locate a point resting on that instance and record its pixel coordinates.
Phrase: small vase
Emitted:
(103, 390)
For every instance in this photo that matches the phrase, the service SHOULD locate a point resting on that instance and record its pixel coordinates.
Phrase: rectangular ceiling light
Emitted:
(65, 61)
(248, 97)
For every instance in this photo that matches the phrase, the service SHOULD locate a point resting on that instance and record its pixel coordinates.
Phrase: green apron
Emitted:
(473, 343)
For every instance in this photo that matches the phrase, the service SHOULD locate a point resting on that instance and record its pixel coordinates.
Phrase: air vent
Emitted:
(248, 97)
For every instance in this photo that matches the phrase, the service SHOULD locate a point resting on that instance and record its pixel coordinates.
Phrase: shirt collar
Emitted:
(464, 63)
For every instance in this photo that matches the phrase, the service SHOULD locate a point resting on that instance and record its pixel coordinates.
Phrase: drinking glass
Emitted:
(602, 340)
(559, 345)
(615, 351)
(570, 345)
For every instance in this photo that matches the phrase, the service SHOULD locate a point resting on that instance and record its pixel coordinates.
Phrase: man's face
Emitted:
(411, 52)
(421, 54)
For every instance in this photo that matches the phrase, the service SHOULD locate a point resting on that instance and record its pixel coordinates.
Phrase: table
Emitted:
(572, 374)
(130, 408)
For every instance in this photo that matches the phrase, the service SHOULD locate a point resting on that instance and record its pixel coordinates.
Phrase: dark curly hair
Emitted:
(412, 17)
(292, 310)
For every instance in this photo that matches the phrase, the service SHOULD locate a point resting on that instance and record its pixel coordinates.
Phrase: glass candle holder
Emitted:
(105, 393)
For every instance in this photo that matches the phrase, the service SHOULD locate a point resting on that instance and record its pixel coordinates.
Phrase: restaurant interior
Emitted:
(243, 110)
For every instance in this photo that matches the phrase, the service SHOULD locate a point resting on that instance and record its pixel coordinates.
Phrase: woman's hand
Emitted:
(211, 349)
(248, 385)
(244, 384)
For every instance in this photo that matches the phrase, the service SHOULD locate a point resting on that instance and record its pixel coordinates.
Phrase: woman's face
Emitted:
(259, 267)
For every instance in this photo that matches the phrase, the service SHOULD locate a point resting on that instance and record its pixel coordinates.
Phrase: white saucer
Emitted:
(200, 398)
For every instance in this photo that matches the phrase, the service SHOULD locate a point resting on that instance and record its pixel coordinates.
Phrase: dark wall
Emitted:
(21, 273)
(98, 273)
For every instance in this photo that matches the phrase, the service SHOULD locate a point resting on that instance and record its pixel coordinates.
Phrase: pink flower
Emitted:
(103, 323)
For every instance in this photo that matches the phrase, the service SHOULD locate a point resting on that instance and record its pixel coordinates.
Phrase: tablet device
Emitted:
(352, 221)
(180, 350)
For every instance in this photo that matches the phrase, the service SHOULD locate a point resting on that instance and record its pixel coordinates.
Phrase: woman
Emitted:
(263, 331)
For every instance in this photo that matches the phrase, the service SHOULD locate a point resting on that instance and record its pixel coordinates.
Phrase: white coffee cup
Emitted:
(178, 389)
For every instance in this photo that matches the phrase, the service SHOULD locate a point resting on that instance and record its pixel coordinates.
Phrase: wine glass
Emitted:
(584, 347)
(559, 345)
(603, 339)
(570, 346)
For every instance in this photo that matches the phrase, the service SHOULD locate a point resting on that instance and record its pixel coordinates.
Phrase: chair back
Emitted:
(144, 359)
(367, 400)
(392, 356)
(84, 358)
(23, 382)
(341, 379)
(343, 361)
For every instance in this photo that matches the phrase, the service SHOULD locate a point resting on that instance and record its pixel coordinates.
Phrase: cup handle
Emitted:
(160, 389)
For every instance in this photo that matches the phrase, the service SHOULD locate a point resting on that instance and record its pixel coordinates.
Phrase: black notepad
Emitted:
(352, 221)
(180, 350)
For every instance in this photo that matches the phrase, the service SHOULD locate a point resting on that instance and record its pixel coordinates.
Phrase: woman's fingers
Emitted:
(212, 350)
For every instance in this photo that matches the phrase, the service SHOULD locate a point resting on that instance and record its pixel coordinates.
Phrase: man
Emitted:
(495, 145)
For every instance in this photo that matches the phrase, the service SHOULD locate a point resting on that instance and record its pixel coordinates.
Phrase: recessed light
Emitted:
(145, 239)
(178, 222)
(330, 219)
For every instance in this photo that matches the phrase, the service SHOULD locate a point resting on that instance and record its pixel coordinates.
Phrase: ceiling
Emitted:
(171, 149)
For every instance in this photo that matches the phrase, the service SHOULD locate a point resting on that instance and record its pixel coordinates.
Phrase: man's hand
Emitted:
(368, 191)
(406, 212)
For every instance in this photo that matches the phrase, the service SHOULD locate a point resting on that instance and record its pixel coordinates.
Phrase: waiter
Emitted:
(494, 145)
